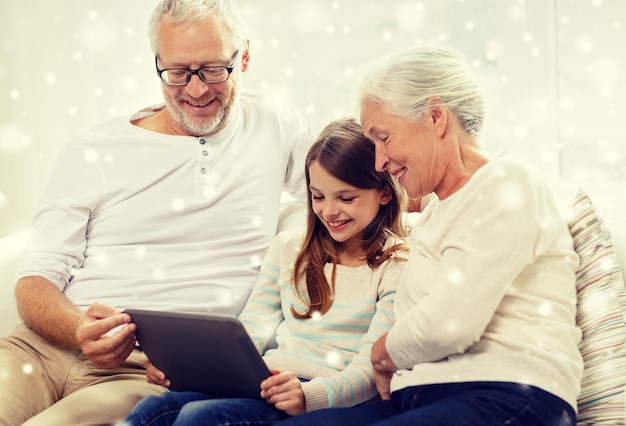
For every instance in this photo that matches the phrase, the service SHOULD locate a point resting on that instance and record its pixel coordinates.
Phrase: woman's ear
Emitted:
(438, 114)
(385, 195)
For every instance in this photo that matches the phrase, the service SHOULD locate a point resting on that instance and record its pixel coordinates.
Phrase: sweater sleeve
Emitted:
(297, 140)
(262, 312)
(355, 384)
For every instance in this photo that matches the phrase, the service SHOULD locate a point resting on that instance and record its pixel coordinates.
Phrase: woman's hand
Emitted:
(383, 365)
(154, 375)
(284, 390)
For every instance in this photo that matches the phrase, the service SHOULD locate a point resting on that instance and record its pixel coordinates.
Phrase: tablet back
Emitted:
(201, 352)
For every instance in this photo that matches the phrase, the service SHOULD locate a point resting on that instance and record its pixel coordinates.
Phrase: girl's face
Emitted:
(343, 209)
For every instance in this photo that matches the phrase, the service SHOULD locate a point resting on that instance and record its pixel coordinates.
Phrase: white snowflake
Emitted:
(27, 369)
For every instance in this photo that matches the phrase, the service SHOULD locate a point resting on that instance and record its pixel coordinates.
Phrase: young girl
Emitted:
(326, 296)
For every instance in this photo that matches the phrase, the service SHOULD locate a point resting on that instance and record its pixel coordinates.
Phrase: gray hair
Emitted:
(403, 81)
(196, 11)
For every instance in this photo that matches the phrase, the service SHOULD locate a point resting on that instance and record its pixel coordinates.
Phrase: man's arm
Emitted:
(49, 313)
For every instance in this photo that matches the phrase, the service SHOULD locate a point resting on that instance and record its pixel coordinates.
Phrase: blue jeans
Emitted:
(454, 404)
(194, 408)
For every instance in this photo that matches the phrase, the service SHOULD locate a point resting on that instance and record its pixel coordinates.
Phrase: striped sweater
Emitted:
(331, 352)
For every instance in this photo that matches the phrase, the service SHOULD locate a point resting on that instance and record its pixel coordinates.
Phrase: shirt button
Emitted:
(205, 152)
(203, 170)
(202, 141)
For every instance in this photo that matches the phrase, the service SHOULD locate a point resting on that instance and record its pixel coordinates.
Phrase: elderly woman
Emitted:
(485, 330)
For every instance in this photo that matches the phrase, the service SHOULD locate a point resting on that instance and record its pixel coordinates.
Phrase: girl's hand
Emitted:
(154, 375)
(284, 390)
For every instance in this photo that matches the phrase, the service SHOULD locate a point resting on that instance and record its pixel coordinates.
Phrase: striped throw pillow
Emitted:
(601, 315)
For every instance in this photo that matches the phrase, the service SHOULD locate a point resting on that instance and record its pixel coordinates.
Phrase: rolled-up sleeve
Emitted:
(60, 223)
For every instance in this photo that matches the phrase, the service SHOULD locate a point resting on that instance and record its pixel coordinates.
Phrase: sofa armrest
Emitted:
(10, 248)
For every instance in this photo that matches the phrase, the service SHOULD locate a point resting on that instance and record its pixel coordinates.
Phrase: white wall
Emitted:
(553, 71)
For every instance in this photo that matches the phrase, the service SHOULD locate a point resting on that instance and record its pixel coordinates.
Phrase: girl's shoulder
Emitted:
(292, 237)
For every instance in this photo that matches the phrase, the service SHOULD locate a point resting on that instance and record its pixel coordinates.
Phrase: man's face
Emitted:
(198, 109)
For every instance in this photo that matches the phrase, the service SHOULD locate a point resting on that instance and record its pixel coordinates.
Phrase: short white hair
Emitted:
(196, 11)
(402, 82)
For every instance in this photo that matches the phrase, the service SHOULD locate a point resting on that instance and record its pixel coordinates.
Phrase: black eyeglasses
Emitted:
(182, 76)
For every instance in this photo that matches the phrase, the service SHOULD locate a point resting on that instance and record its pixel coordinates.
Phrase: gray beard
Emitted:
(202, 128)
(198, 127)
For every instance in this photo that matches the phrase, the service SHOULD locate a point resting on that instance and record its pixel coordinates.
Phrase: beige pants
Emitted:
(47, 384)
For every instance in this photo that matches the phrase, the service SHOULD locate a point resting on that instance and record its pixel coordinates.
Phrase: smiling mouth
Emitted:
(198, 105)
(398, 173)
(337, 223)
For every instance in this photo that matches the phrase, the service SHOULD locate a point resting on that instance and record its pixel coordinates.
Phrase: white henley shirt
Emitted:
(134, 218)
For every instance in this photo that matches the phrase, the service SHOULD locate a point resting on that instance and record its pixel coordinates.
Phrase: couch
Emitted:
(598, 226)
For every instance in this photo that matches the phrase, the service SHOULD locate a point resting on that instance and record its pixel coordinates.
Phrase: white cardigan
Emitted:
(489, 291)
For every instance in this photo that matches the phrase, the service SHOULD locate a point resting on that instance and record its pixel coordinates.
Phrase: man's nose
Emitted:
(196, 87)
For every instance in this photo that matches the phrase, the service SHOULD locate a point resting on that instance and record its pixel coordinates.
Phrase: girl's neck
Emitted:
(352, 256)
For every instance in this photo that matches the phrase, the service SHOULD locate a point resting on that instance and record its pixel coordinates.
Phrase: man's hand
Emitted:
(284, 390)
(106, 335)
(383, 365)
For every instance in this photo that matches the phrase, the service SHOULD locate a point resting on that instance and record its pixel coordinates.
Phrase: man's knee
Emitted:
(102, 403)
(25, 385)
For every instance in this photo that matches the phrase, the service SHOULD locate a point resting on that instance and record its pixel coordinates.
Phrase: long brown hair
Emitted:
(344, 152)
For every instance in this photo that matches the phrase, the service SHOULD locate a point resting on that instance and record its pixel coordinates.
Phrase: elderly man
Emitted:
(172, 208)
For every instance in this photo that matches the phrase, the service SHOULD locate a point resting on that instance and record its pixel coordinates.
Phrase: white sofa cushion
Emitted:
(10, 248)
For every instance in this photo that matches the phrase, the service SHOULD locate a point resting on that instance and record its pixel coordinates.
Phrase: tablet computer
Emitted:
(201, 352)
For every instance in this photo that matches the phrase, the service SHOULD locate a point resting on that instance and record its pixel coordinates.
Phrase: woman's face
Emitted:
(343, 209)
(408, 149)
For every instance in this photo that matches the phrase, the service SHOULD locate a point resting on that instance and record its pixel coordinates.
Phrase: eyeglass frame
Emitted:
(191, 72)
